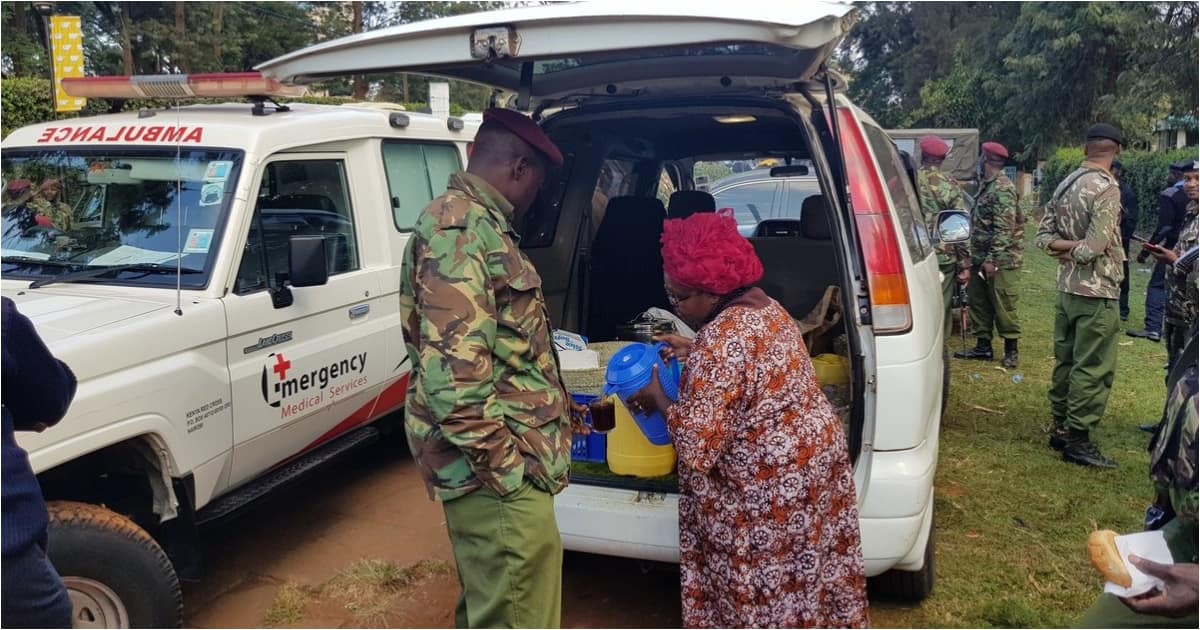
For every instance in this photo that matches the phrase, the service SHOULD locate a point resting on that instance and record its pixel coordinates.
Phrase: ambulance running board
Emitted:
(285, 474)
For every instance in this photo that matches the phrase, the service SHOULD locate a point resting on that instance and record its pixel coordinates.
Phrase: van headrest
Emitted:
(685, 203)
(814, 219)
(778, 227)
(635, 218)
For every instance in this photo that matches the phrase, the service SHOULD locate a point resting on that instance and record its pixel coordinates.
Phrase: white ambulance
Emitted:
(225, 288)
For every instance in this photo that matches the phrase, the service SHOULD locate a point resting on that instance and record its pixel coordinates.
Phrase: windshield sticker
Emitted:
(198, 242)
(211, 194)
(218, 170)
(130, 255)
(170, 135)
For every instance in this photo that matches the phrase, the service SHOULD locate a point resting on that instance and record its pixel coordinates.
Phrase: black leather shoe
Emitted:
(1148, 428)
(1085, 453)
(1144, 334)
(981, 352)
(1059, 437)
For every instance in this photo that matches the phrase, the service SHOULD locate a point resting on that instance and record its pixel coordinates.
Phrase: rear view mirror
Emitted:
(954, 226)
(790, 171)
(307, 264)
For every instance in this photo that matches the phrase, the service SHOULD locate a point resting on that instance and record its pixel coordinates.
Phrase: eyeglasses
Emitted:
(674, 300)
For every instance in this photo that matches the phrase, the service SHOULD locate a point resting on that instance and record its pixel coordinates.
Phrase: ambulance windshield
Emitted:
(141, 212)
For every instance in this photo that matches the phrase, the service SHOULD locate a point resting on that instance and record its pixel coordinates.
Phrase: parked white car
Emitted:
(631, 91)
(228, 297)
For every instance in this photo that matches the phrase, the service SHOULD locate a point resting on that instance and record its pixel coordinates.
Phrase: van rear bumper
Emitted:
(894, 516)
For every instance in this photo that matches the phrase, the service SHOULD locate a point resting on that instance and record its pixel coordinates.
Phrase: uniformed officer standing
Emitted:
(997, 247)
(1081, 228)
(1181, 299)
(1129, 220)
(939, 192)
(487, 417)
(1172, 208)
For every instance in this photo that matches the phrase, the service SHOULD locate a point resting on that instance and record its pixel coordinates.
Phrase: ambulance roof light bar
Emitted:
(212, 85)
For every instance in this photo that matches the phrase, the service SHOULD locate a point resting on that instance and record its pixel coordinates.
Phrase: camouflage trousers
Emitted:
(1085, 359)
(994, 303)
(1109, 612)
(509, 558)
(949, 286)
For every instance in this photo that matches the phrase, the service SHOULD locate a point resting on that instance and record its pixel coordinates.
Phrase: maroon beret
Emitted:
(527, 130)
(934, 146)
(996, 149)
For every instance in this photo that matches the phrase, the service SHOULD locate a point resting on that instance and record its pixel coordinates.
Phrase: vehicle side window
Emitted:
(751, 203)
(416, 173)
(298, 198)
(900, 189)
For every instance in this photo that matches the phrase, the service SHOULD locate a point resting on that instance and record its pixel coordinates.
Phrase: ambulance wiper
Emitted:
(95, 272)
(33, 261)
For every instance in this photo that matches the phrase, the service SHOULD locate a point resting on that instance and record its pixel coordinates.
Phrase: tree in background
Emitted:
(1032, 75)
(181, 37)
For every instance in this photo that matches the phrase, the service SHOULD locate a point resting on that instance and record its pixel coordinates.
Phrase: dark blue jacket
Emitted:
(37, 389)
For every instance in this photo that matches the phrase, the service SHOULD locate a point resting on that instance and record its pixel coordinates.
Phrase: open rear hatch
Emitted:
(571, 52)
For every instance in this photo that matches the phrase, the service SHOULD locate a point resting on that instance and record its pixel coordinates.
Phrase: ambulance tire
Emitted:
(116, 574)
(910, 587)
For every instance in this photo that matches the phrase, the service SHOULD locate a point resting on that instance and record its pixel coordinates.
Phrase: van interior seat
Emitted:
(626, 267)
(685, 203)
(798, 267)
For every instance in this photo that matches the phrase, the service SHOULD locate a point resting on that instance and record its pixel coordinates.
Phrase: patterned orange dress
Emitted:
(768, 519)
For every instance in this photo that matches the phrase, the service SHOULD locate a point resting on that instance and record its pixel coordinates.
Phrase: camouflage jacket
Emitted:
(997, 226)
(1173, 455)
(940, 192)
(486, 405)
(1086, 207)
(58, 212)
(1182, 283)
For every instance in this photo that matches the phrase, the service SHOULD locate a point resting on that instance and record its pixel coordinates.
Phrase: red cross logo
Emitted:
(282, 365)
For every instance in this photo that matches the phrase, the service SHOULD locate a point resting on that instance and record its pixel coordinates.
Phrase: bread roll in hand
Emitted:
(1102, 551)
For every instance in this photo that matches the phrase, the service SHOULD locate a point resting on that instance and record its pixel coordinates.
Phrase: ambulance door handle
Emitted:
(359, 311)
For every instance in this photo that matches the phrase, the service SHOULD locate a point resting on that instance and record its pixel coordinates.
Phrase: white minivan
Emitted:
(634, 91)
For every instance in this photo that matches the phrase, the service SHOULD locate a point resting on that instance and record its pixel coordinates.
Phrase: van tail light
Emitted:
(891, 309)
(213, 85)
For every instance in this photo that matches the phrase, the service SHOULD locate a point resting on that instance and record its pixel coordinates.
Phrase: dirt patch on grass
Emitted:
(371, 593)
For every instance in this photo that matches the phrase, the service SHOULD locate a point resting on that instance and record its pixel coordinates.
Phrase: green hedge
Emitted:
(1145, 171)
(26, 101)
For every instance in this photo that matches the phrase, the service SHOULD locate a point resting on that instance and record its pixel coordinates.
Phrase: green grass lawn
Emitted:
(1011, 518)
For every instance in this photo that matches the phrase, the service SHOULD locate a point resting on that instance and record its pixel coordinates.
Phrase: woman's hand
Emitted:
(678, 347)
(650, 398)
(1160, 253)
(1176, 598)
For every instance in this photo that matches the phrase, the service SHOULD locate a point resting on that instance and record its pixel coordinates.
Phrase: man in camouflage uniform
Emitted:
(939, 192)
(997, 246)
(1181, 287)
(1173, 467)
(487, 417)
(1081, 228)
(46, 204)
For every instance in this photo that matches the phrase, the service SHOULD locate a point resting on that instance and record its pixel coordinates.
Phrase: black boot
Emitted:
(1079, 449)
(1010, 354)
(981, 352)
(1058, 437)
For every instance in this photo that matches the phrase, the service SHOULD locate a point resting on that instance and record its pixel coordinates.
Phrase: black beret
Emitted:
(1189, 167)
(1105, 131)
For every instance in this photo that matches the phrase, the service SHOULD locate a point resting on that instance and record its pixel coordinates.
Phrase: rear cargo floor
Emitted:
(593, 474)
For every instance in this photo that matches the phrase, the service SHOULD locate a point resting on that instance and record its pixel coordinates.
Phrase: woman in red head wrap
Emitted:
(768, 518)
